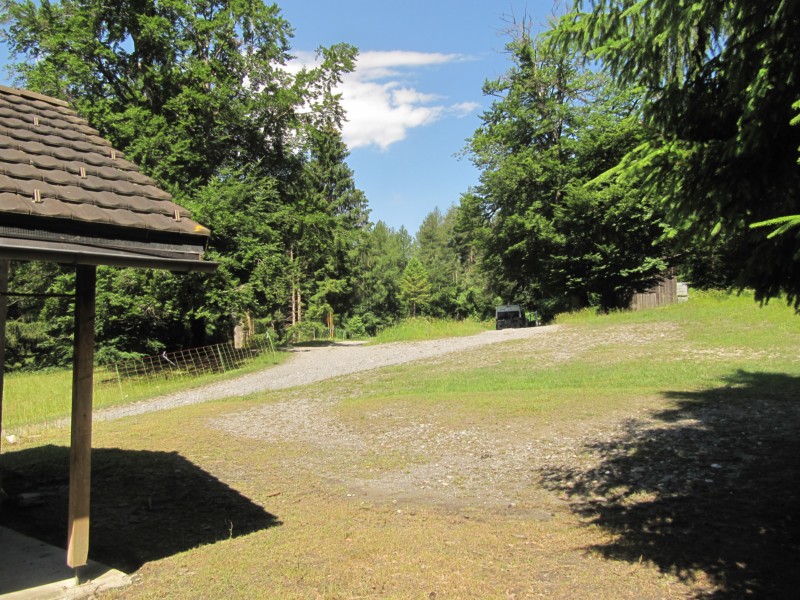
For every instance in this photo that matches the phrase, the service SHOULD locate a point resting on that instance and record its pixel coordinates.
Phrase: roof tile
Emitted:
(14, 203)
(54, 165)
(89, 212)
(50, 208)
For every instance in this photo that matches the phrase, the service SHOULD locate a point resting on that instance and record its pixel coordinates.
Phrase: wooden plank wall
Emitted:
(664, 292)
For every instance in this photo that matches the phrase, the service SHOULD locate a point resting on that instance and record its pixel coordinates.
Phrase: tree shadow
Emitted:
(145, 505)
(707, 491)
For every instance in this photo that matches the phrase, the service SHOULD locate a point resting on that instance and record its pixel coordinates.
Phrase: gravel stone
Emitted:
(313, 364)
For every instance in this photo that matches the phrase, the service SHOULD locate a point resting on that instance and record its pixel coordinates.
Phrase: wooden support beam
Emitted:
(4, 268)
(80, 462)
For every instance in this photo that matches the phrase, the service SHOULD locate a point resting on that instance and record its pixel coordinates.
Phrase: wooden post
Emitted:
(81, 439)
(4, 266)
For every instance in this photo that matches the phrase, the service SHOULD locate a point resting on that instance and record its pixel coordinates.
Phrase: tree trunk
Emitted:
(299, 305)
(197, 331)
(293, 287)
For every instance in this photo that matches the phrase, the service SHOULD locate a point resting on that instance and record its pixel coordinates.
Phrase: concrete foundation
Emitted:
(33, 570)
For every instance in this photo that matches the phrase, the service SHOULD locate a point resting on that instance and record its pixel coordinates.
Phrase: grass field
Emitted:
(633, 455)
(423, 328)
(36, 400)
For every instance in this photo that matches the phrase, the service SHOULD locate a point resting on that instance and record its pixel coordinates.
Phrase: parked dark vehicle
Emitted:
(509, 316)
(513, 315)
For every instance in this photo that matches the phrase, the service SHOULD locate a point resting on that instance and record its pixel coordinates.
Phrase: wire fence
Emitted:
(168, 367)
(298, 335)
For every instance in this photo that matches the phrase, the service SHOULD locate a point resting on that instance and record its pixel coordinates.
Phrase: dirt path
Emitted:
(487, 462)
(668, 475)
(312, 364)
(482, 463)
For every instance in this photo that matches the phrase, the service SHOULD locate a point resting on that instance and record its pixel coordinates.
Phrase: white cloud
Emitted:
(464, 109)
(382, 106)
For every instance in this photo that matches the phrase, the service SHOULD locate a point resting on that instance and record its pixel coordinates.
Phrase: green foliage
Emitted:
(39, 329)
(458, 288)
(720, 96)
(333, 225)
(198, 95)
(439, 261)
(712, 263)
(239, 207)
(784, 225)
(305, 331)
(548, 239)
(382, 259)
(355, 327)
(426, 328)
(415, 287)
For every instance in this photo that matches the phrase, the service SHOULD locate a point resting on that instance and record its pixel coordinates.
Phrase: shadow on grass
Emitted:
(145, 505)
(707, 491)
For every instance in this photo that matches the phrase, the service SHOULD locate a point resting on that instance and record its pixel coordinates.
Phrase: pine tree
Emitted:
(415, 288)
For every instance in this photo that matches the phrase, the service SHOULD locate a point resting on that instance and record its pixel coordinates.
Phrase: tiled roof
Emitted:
(52, 164)
(56, 171)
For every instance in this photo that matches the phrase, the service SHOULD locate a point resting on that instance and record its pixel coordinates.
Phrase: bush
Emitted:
(306, 331)
(356, 328)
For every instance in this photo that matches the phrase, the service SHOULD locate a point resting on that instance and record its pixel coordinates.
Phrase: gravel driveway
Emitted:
(312, 364)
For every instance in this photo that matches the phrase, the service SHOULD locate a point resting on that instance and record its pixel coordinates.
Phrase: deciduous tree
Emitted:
(198, 94)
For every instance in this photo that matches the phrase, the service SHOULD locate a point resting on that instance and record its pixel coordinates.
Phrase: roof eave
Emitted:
(76, 254)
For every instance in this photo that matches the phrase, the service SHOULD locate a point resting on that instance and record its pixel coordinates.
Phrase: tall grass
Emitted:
(33, 399)
(424, 328)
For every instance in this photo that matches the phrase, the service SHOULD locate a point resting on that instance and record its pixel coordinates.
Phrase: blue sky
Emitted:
(415, 96)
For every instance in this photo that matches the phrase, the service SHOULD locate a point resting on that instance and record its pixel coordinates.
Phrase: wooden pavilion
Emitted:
(67, 196)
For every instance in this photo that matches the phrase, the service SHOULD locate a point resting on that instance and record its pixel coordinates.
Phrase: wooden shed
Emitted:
(67, 196)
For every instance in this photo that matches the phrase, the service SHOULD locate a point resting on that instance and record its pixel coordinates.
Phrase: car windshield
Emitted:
(507, 314)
